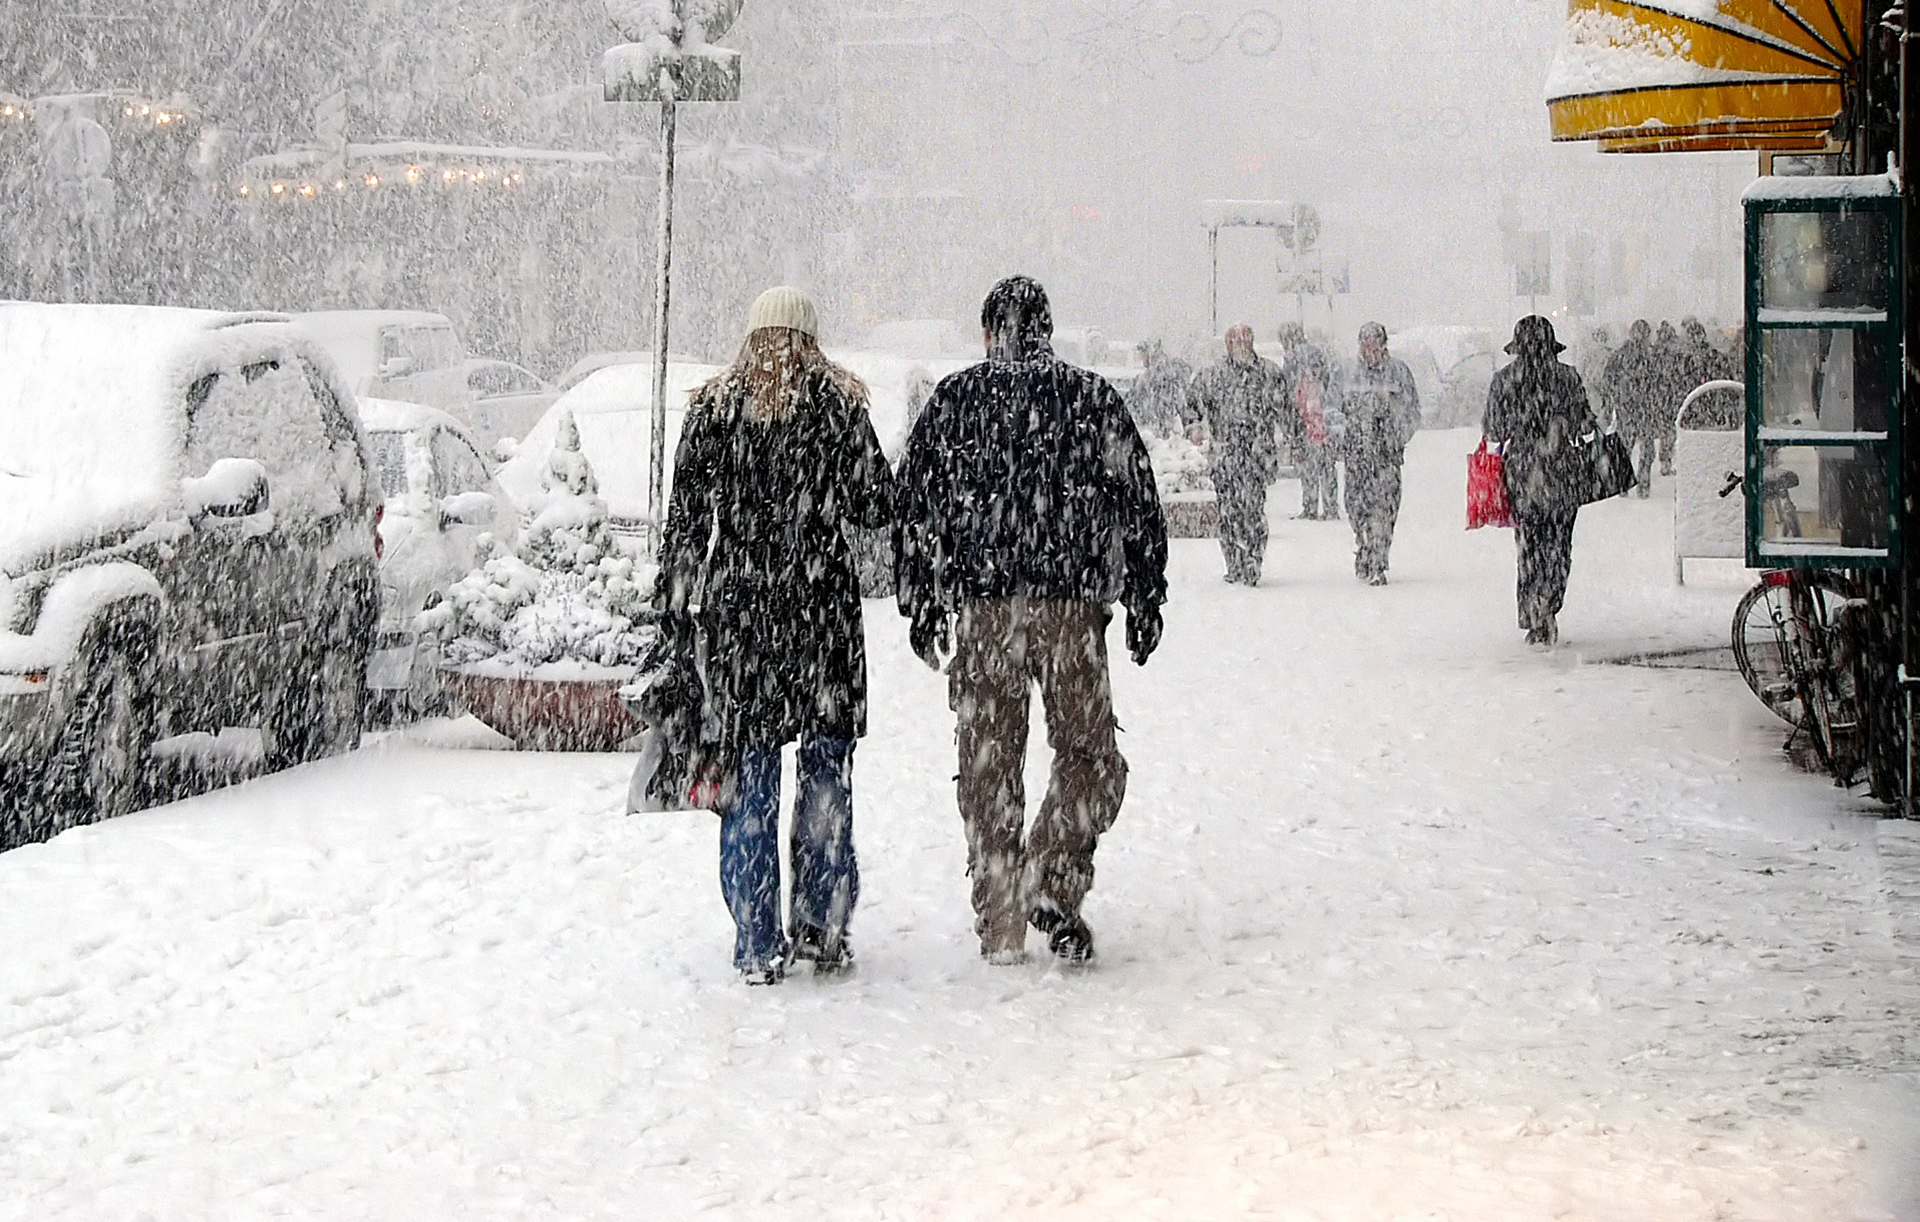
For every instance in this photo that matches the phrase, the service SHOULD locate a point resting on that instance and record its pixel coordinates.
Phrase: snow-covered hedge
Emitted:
(1179, 466)
(567, 604)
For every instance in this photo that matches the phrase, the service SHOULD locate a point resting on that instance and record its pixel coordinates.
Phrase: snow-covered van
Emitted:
(187, 542)
(407, 355)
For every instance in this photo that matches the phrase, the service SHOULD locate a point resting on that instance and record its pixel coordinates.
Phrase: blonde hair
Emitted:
(772, 372)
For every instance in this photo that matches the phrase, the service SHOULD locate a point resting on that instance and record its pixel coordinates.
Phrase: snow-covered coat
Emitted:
(1244, 406)
(1026, 476)
(1380, 408)
(1159, 395)
(1315, 417)
(1537, 407)
(757, 535)
(1632, 388)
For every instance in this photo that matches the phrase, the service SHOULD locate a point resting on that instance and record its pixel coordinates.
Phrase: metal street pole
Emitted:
(662, 300)
(1213, 309)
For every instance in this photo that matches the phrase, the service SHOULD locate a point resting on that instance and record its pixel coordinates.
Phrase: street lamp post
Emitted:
(668, 61)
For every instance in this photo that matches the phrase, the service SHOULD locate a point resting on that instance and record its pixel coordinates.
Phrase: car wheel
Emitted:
(100, 764)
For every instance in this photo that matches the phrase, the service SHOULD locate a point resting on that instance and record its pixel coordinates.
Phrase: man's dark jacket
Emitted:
(1027, 477)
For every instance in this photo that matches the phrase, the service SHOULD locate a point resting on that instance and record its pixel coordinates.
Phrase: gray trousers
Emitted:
(1002, 647)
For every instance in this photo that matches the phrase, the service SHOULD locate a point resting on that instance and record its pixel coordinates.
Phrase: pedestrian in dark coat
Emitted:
(1237, 408)
(1537, 411)
(1027, 506)
(1675, 372)
(1632, 382)
(778, 461)
(1380, 406)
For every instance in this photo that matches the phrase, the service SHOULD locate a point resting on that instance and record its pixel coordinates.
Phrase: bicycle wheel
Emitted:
(1761, 625)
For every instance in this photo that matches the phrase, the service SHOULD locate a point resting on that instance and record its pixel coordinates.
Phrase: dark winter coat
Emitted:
(757, 533)
(1537, 407)
(1245, 409)
(1632, 380)
(1381, 407)
(1026, 476)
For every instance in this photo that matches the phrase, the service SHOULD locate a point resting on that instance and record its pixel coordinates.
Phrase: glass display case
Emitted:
(1823, 372)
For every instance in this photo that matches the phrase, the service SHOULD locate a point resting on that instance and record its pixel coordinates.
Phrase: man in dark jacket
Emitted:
(1537, 409)
(1674, 368)
(1237, 407)
(1632, 382)
(1381, 409)
(1026, 506)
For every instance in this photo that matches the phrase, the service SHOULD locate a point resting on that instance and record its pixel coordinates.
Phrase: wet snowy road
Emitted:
(1400, 921)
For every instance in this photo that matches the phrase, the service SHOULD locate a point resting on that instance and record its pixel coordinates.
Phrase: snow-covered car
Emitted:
(613, 408)
(507, 400)
(408, 355)
(440, 498)
(187, 539)
(594, 362)
(1452, 366)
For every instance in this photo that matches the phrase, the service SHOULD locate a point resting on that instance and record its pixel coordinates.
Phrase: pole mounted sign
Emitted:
(668, 59)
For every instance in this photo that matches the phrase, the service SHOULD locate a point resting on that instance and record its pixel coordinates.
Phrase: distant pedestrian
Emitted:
(1027, 505)
(1380, 407)
(1674, 369)
(1593, 371)
(1315, 416)
(1633, 388)
(1237, 407)
(777, 460)
(1537, 410)
(1159, 395)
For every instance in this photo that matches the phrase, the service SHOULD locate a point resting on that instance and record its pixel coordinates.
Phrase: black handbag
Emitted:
(1612, 468)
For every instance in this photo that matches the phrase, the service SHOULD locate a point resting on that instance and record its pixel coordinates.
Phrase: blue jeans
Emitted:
(826, 878)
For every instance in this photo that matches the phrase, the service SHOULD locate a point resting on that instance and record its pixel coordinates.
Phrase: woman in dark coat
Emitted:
(777, 462)
(1537, 409)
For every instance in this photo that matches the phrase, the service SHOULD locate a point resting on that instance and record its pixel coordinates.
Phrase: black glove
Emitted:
(931, 636)
(1143, 633)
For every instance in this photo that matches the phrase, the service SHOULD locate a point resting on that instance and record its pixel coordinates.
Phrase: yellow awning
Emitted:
(1654, 75)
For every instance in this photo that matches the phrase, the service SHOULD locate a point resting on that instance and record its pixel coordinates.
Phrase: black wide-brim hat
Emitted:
(1534, 332)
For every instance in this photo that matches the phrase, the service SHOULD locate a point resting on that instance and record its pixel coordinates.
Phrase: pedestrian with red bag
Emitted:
(1537, 411)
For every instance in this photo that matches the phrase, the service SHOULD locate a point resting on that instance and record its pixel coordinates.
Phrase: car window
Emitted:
(456, 466)
(428, 347)
(390, 457)
(503, 380)
(268, 411)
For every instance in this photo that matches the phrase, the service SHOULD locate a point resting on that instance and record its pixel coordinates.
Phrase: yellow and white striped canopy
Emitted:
(1679, 75)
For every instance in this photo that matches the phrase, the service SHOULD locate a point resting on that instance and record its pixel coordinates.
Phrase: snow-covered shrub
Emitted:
(1179, 467)
(568, 603)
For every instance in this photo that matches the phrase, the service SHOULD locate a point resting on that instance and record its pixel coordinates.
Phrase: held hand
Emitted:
(931, 636)
(1144, 627)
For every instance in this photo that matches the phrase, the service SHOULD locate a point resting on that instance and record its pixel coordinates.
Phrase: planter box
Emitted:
(545, 714)
(1192, 515)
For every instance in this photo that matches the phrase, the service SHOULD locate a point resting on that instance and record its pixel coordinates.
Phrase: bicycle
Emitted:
(1797, 639)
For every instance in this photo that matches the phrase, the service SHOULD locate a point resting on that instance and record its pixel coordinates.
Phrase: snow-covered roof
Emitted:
(1822, 186)
(92, 409)
(1226, 213)
(395, 416)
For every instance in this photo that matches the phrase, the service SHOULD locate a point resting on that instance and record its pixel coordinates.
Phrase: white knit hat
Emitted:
(784, 306)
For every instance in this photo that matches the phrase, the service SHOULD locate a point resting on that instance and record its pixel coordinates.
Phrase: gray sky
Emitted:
(1416, 128)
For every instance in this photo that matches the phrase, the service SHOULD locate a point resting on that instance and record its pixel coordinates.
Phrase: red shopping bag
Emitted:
(1487, 489)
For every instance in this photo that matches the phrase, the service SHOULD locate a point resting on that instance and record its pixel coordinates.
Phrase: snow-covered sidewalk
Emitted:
(1400, 921)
